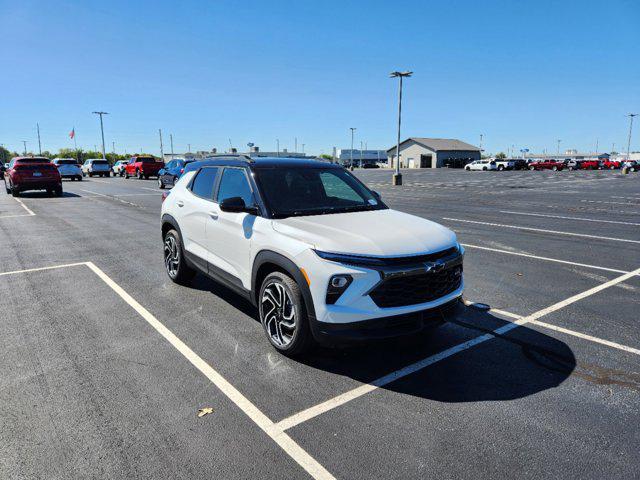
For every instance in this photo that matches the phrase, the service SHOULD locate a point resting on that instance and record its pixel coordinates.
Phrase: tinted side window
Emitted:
(203, 183)
(234, 183)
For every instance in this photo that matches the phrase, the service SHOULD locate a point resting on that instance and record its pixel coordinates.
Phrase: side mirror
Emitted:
(237, 205)
(377, 195)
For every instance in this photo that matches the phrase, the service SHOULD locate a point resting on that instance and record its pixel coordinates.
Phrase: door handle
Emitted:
(213, 215)
(180, 203)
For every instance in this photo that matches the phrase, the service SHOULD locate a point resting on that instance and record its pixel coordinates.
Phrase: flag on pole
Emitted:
(72, 133)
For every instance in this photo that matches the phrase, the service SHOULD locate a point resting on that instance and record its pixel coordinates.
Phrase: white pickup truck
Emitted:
(505, 164)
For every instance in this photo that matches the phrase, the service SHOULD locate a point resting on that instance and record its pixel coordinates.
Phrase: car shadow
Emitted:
(43, 194)
(515, 364)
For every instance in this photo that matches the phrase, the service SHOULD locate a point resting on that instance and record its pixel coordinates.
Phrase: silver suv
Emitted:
(96, 166)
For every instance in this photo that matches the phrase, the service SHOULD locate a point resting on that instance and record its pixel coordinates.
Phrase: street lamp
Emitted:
(104, 157)
(353, 129)
(25, 147)
(631, 115)
(278, 146)
(559, 146)
(397, 177)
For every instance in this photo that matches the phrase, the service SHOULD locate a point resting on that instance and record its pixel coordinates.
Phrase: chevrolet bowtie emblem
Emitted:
(434, 267)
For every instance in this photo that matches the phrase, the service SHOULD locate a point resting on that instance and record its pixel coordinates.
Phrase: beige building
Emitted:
(418, 152)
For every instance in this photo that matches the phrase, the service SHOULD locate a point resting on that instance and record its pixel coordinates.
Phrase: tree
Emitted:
(501, 156)
(326, 157)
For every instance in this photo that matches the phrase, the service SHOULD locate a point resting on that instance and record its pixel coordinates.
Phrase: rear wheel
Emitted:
(9, 190)
(484, 169)
(160, 184)
(532, 168)
(174, 260)
(283, 314)
(139, 174)
(554, 168)
(14, 191)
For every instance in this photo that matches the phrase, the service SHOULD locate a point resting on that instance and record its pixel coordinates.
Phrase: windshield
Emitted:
(66, 162)
(32, 160)
(299, 191)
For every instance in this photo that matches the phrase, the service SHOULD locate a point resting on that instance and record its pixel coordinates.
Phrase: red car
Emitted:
(142, 167)
(589, 164)
(546, 165)
(610, 164)
(32, 173)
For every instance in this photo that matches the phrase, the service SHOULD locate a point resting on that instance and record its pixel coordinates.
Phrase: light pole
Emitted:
(161, 149)
(25, 147)
(360, 163)
(278, 147)
(39, 144)
(631, 115)
(104, 157)
(481, 136)
(397, 177)
(353, 129)
(171, 140)
(559, 146)
(303, 148)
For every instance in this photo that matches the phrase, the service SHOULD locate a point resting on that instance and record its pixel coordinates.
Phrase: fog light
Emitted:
(337, 286)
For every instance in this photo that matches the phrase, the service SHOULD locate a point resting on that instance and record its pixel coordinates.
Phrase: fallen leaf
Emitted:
(204, 411)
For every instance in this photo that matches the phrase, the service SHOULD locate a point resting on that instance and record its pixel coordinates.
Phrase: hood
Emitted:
(385, 233)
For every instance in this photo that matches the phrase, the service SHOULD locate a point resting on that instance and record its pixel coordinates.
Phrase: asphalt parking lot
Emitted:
(106, 362)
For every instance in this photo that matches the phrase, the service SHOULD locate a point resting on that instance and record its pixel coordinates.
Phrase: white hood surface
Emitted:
(384, 233)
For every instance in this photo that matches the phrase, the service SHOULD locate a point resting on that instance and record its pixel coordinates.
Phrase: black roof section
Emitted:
(258, 162)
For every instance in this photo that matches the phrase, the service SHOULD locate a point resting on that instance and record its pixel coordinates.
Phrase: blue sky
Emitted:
(521, 73)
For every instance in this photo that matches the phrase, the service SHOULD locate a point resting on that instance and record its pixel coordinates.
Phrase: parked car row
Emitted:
(550, 164)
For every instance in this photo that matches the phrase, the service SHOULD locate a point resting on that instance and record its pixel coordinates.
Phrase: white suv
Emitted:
(96, 166)
(319, 254)
(481, 165)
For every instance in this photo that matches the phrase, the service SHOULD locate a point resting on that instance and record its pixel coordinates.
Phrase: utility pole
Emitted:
(597, 145)
(303, 148)
(631, 115)
(161, 149)
(353, 129)
(189, 147)
(361, 153)
(104, 157)
(278, 146)
(39, 144)
(113, 148)
(481, 136)
(25, 147)
(397, 177)
(295, 149)
(171, 140)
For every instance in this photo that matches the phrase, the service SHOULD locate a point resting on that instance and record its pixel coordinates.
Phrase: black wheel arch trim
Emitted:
(269, 256)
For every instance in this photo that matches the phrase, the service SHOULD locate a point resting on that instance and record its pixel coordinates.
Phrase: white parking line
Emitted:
(611, 203)
(39, 269)
(556, 232)
(290, 447)
(357, 392)
(297, 453)
(110, 196)
(547, 259)
(584, 336)
(569, 218)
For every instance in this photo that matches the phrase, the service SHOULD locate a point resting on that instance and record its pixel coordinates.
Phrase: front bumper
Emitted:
(383, 328)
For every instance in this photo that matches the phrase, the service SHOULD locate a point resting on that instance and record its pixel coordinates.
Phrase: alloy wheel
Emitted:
(171, 256)
(278, 314)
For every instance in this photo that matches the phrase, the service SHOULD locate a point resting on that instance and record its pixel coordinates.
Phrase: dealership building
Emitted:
(418, 152)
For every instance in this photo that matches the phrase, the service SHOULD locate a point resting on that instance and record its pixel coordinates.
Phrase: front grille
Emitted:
(404, 290)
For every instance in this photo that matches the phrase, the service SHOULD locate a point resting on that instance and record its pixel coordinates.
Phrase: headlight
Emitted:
(337, 286)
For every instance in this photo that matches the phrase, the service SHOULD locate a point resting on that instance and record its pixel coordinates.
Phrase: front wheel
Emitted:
(532, 168)
(283, 314)
(555, 169)
(500, 167)
(174, 260)
(160, 184)
(139, 174)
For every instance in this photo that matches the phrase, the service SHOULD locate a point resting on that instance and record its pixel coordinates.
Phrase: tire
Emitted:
(90, 175)
(126, 174)
(291, 336)
(14, 191)
(555, 169)
(484, 169)
(79, 178)
(160, 184)
(612, 167)
(174, 261)
(139, 174)
(532, 168)
(467, 169)
(500, 168)
(7, 188)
